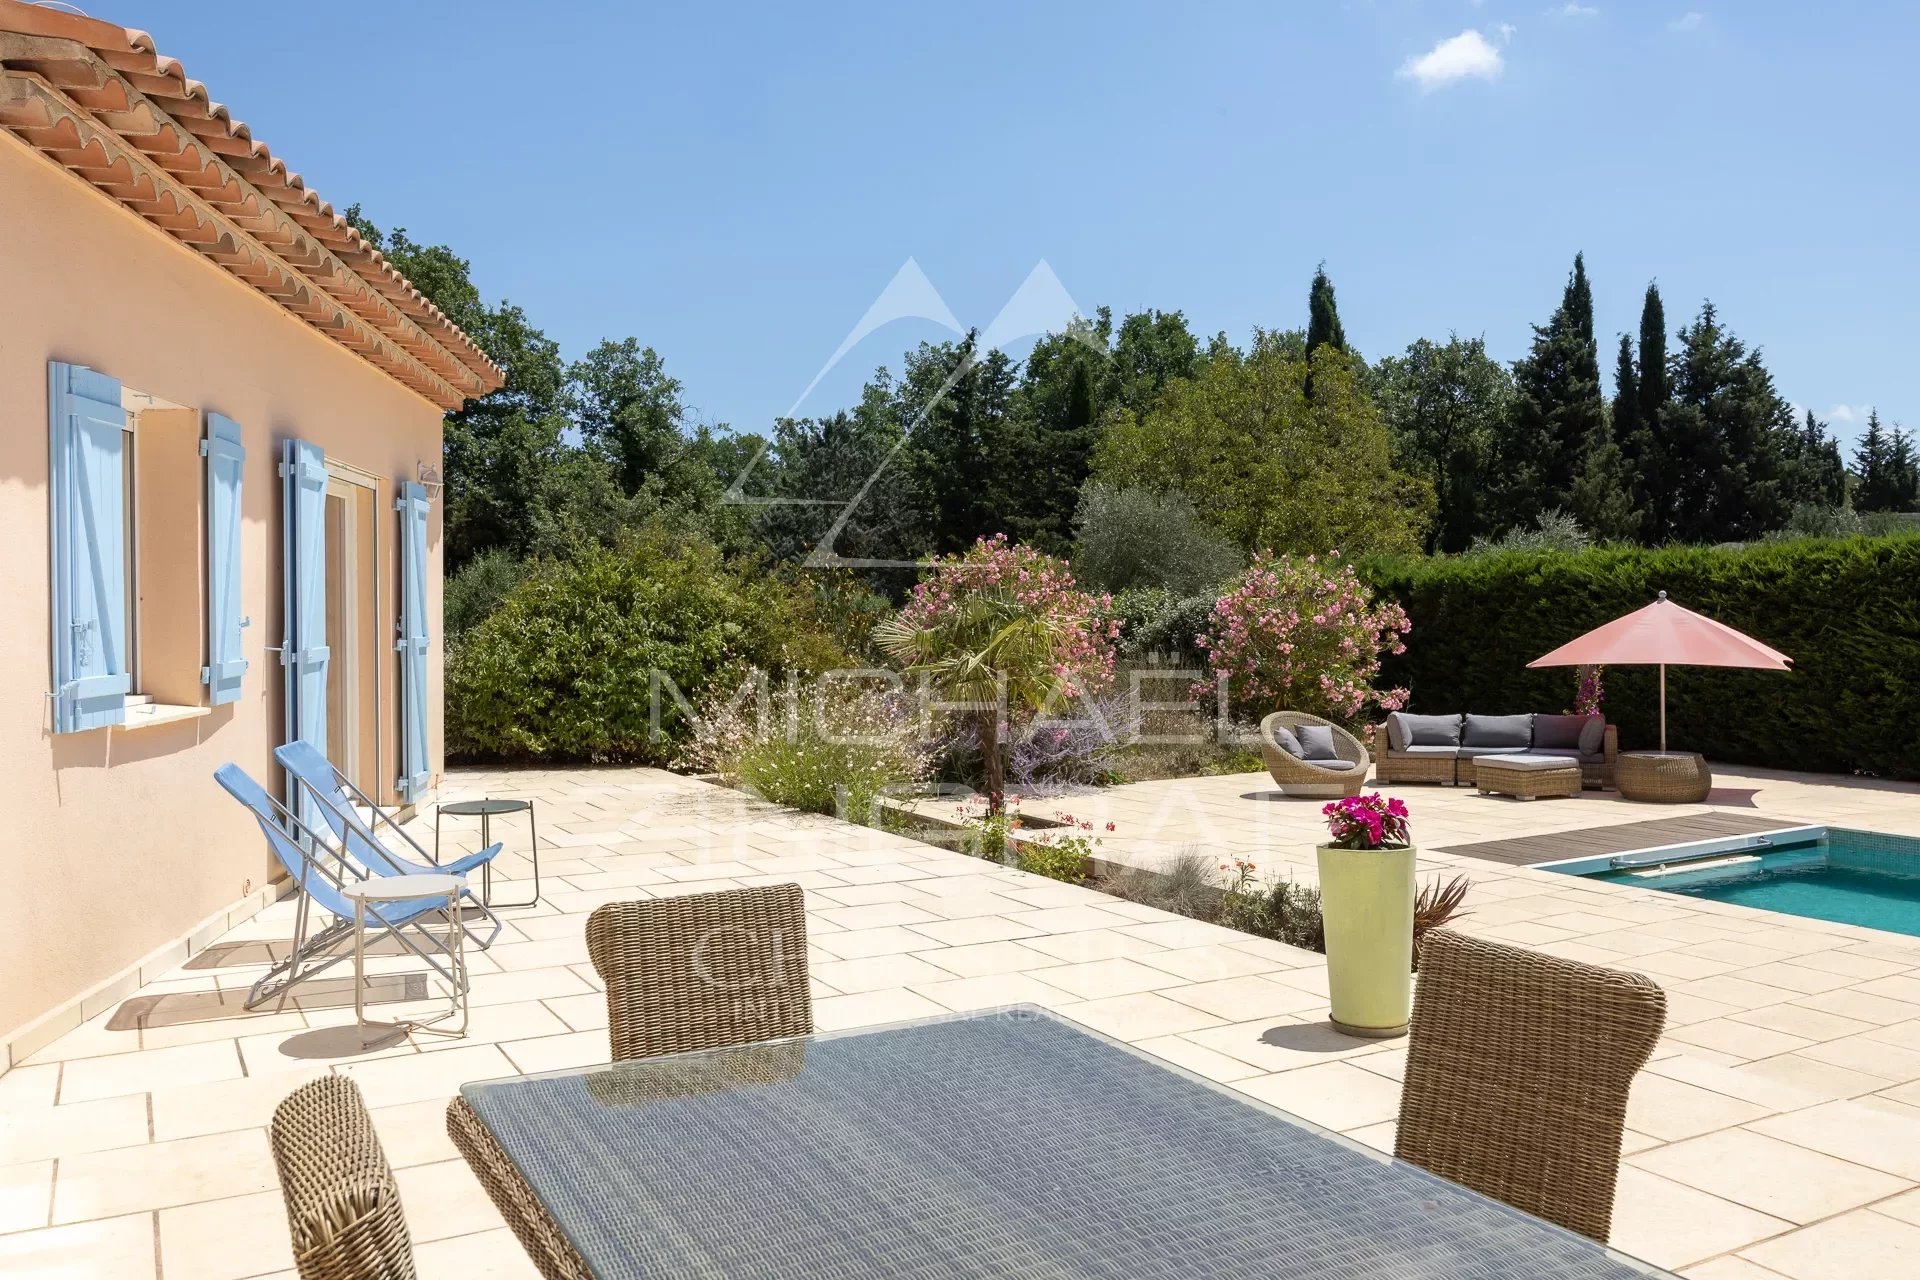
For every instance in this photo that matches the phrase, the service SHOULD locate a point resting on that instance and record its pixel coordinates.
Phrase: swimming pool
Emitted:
(1820, 873)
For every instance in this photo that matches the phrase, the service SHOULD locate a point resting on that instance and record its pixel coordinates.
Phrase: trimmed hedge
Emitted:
(1847, 611)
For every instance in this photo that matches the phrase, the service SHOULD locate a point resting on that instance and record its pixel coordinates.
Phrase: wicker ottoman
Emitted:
(1527, 777)
(1663, 777)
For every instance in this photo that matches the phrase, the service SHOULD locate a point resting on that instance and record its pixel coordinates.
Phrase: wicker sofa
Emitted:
(1400, 754)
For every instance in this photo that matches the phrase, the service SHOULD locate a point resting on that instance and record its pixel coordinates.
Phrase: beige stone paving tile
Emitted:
(883, 873)
(871, 1008)
(1391, 1063)
(1138, 911)
(1809, 1024)
(1246, 998)
(855, 944)
(444, 1200)
(549, 1053)
(1140, 1015)
(91, 1039)
(1795, 976)
(1671, 1109)
(1904, 1034)
(139, 1072)
(1905, 1207)
(1183, 933)
(1673, 1225)
(1854, 1131)
(1067, 920)
(583, 1012)
(994, 991)
(805, 879)
(415, 1132)
(1739, 992)
(1739, 952)
(1184, 1053)
(1092, 944)
(551, 953)
(39, 1130)
(226, 1239)
(299, 1053)
(1335, 1095)
(1739, 1039)
(481, 1255)
(982, 958)
(1206, 964)
(26, 1086)
(1855, 1245)
(1283, 1044)
(687, 888)
(1863, 1053)
(1730, 1267)
(963, 907)
(1678, 966)
(109, 1249)
(960, 933)
(841, 894)
(1822, 1079)
(389, 1082)
(1801, 941)
(877, 915)
(1879, 1010)
(26, 1190)
(1774, 1177)
(1099, 978)
(1312, 981)
(106, 1184)
(193, 1110)
(1850, 963)
(877, 973)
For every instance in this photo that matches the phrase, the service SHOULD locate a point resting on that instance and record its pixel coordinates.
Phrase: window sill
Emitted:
(146, 715)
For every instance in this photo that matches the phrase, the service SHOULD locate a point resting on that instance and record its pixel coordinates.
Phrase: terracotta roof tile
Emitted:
(99, 100)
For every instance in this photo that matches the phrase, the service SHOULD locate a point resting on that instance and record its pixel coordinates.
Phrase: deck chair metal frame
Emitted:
(319, 871)
(337, 804)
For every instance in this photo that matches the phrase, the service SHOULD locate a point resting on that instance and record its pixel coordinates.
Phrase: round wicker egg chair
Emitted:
(1305, 779)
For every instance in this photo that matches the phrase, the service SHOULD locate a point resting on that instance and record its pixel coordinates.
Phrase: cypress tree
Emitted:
(1646, 446)
(1874, 485)
(1323, 315)
(1730, 436)
(1560, 414)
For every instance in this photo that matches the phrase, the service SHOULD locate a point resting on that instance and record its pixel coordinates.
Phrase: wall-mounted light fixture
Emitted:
(430, 478)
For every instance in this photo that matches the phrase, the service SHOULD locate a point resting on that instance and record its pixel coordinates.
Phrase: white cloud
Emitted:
(1845, 413)
(1573, 9)
(1691, 20)
(1466, 56)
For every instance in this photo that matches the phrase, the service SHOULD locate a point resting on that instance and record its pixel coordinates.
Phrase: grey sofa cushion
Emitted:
(1427, 731)
(1335, 766)
(1505, 732)
(1468, 753)
(1593, 736)
(1316, 743)
(1558, 731)
(1283, 738)
(1428, 753)
(1565, 753)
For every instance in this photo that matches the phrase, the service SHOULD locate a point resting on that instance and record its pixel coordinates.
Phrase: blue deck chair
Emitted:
(319, 873)
(337, 801)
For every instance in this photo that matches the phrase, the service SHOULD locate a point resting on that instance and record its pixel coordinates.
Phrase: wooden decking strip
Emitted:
(1529, 851)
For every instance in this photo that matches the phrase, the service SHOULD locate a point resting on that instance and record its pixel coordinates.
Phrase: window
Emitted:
(135, 516)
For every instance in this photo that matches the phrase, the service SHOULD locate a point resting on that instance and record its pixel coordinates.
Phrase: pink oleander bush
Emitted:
(1087, 633)
(1371, 821)
(1304, 634)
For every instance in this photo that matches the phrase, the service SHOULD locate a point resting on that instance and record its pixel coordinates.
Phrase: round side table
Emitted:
(486, 811)
(383, 890)
(1662, 777)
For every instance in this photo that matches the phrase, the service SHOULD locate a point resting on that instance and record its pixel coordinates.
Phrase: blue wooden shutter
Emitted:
(412, 645)
(86, 452)
(303, 652)
(226, 459)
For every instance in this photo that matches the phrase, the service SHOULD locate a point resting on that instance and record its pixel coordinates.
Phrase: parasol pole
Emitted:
(1663, 706)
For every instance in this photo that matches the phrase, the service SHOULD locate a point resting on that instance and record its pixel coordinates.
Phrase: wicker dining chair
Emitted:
(1518, 1070)
(704, 970)
(343, 1207)
(700, 971)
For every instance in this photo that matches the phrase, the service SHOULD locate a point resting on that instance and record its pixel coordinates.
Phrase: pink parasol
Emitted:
(1659, 635)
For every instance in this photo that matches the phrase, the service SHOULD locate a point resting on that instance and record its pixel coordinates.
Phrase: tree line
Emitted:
(1291, 441)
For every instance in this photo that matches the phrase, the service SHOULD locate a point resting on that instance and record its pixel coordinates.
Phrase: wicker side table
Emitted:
(1663, 777)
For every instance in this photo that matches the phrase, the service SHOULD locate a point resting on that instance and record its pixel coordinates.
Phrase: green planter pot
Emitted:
(1366, 901)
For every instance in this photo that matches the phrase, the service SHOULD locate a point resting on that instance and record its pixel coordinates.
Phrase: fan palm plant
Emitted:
(991, 653)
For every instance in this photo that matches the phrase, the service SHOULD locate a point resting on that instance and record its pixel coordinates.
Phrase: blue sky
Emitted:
(735, 184)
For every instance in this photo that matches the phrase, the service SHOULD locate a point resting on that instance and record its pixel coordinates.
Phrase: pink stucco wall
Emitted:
(114, 842)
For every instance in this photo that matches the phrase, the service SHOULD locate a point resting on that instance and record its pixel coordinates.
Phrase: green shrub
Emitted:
(1061, 859)
(474, 592)
(582, 661)
(1157, 624)
(834, 749)
(1847, 611)
(1131, 538)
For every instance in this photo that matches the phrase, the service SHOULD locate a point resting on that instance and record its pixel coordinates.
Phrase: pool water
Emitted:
(1848, 877)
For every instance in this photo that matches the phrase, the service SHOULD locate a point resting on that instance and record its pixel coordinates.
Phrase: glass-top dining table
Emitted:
(1003, 1144)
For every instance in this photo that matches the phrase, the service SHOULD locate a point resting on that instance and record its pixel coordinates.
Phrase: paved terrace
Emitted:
(1776, 1134)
